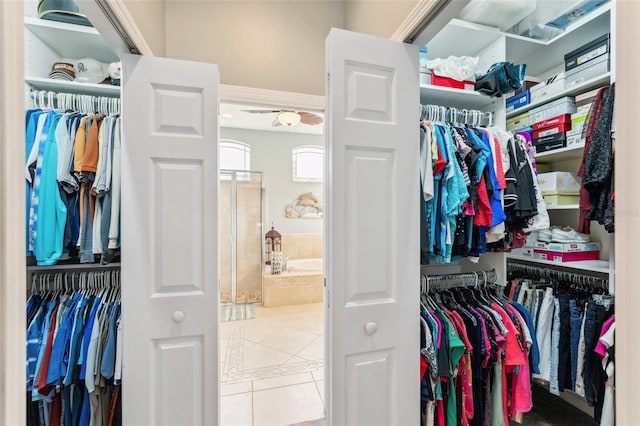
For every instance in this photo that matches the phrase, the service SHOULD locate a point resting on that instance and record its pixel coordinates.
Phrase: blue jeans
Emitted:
(564, 344)
(577, 312)
(555, 353)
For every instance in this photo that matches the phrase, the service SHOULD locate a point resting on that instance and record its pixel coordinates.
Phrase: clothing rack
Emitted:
(538, 272)
(465, 279)
(444, 114)
(43, 280)
(75, 102)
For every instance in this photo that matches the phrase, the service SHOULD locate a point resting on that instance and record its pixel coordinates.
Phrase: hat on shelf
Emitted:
(88, 70)
(115, 72)
(62, 71)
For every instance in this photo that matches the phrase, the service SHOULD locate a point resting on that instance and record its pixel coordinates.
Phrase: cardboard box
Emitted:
(518, 121)
(566, 252)
(576, 139)
(561, 197)
(573, 13)
(518, 101)
(588, 71)
(587, 52)
(548, 88)
(555, 181)
(551, 145)
(554, 121)
(560, 106)
(551, 130)
(437, 80)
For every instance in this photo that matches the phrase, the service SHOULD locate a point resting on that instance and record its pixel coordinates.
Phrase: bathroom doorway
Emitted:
(272, 339)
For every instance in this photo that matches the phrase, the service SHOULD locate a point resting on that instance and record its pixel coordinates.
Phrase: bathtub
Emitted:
(302, 283)
(306, 266)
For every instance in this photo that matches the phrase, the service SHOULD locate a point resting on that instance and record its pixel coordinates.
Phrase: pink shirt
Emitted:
(601, 349)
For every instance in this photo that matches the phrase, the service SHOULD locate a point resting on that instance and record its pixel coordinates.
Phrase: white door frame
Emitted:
(12, 217)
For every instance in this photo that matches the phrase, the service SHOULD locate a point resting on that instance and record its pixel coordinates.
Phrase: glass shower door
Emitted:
(240, 237)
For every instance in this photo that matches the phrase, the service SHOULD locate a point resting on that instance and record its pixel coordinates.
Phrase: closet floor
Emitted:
(550, 410)
(272, 367)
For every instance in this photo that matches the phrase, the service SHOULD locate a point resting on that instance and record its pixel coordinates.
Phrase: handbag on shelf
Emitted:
(501, 79)
(62, 11)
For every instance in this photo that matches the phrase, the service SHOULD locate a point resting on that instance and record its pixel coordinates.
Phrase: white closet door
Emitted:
(372, 248)
(169, 241)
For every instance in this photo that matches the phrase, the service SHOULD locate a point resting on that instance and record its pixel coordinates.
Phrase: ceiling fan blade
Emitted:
(261, 111)
(276, 123)
(310, 118)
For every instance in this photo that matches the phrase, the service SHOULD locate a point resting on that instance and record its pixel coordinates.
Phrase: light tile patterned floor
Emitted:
(272, 367)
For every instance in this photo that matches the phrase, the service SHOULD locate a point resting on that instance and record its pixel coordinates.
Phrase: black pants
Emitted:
(564, 344)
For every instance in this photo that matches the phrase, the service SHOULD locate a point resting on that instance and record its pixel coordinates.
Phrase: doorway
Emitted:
(272, 343)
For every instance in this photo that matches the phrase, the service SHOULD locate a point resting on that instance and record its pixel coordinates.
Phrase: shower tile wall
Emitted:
(249, 240)
(302, 246)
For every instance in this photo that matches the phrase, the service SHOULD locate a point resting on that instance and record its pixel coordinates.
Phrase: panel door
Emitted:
(372, 248)
(169, 241)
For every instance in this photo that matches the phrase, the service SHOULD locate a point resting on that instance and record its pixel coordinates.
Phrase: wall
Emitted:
(277, 45)
(268, 44)
(378, 18)
(271, 154)
(150, 18)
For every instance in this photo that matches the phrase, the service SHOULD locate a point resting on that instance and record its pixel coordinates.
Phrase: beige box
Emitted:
(561, 197)
(554, 181)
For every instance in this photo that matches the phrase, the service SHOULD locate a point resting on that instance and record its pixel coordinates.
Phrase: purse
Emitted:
(501, 79)
(62, 11)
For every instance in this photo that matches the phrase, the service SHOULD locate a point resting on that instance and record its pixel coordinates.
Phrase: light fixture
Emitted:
(289, 118)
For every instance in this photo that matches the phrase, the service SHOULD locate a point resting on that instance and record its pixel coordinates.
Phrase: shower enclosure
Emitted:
(240, 236)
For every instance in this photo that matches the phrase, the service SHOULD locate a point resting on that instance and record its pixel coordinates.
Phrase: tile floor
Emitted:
(272, 367)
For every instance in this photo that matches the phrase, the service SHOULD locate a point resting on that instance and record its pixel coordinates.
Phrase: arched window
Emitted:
(234, 155)
(308, 163)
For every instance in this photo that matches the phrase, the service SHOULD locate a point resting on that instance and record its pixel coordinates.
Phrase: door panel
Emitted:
(169, 238)
(372, 249)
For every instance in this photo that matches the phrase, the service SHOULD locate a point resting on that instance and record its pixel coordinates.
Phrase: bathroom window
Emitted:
(308, 163)
(234, 155)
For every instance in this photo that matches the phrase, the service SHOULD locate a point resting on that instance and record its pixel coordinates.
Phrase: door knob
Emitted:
(177, 316)
(370, 328)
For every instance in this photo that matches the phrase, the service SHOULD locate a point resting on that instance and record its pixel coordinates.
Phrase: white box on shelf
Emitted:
(560, 106)
(548, 88)
(554, 181)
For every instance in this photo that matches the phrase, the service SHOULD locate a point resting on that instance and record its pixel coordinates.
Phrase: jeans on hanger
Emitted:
(543, 334)
(555, 346)
(592, 373)
(564, 345)
(577, 315)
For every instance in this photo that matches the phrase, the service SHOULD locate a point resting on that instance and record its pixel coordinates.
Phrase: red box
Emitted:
(551, 130)
(559, 256)
(437, 80)
(559, 119)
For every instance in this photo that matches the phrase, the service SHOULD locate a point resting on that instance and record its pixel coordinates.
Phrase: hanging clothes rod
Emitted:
(444, 114)
(465, 279)
(67, 281)
(75, 102)
(539, 272)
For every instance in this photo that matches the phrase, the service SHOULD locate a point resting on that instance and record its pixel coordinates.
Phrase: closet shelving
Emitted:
(544, 59)
(49, 41)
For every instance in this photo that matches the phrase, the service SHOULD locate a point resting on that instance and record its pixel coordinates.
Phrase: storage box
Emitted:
(528, 83)
(518, 101)
(425, 76)
(587, 98)
(567, 252)
(548, 88)
(576, 137)
(437, 80)
(561, 197)
(551, 130)
(586, 53)
(588, 71)
(560, 106)
(555, 181)
(518, 121)
(573, 13)
(554, 121)
(549, 143)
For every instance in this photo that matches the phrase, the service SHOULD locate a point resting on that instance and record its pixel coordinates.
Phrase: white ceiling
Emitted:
(244, 120)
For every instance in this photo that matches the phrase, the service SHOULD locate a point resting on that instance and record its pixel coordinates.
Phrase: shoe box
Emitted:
(552, 126)
(566, 252)
(518, 121)
(559, 188)
(549, 143)
(566, 105)
(548, 88)
(588, 61)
